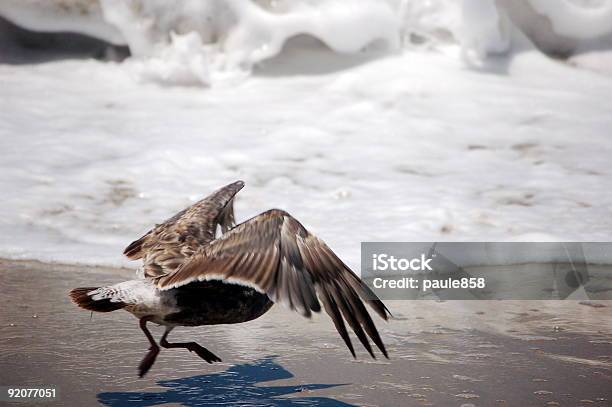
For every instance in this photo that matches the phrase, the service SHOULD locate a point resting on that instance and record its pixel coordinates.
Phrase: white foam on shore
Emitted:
(186, 42)
(375, 146)
(407, 147)
(235, 35)
(582, 19)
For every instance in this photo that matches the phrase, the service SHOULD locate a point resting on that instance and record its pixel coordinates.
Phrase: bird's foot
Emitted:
(203, 353)
(148, 361)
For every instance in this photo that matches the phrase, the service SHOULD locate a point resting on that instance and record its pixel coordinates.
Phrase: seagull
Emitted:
(192, 277)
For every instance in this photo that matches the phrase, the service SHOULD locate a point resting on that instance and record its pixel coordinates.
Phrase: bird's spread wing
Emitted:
(165, 247)
(276, 255)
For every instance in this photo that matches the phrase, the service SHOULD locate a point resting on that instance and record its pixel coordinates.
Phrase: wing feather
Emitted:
(332, 310)
(275, 254)
(168, 245)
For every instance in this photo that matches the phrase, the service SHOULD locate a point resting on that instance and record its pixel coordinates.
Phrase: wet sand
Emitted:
(454, 353)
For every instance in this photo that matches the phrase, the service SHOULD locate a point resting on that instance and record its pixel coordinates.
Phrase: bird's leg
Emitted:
(191, 346)
(150, 357)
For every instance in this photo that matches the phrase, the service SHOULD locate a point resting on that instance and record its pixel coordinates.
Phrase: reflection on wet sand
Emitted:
(236, 386)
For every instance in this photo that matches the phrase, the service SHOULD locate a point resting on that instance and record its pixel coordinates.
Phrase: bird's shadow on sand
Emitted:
(236, 386)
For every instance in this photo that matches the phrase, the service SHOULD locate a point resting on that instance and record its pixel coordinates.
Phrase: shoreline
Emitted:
(61, 266)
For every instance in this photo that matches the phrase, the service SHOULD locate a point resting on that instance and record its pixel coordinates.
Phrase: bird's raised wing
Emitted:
(276, 255)
(165, 247)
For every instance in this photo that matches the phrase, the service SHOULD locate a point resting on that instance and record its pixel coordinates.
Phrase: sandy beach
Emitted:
(454, 353)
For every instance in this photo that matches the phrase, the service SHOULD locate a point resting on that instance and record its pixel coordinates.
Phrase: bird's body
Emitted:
(215, 302)
(191, 277)
(199, 303)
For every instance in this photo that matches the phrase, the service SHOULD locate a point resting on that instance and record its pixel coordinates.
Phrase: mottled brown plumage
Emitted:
(169, 244)
(191, 277)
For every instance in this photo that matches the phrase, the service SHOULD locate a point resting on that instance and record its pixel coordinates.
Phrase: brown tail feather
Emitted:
(79, 297)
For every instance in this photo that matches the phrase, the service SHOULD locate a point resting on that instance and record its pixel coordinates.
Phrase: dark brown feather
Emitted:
(332, 310)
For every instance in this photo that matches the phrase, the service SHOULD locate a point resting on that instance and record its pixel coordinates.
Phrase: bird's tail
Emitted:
(84, 298)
